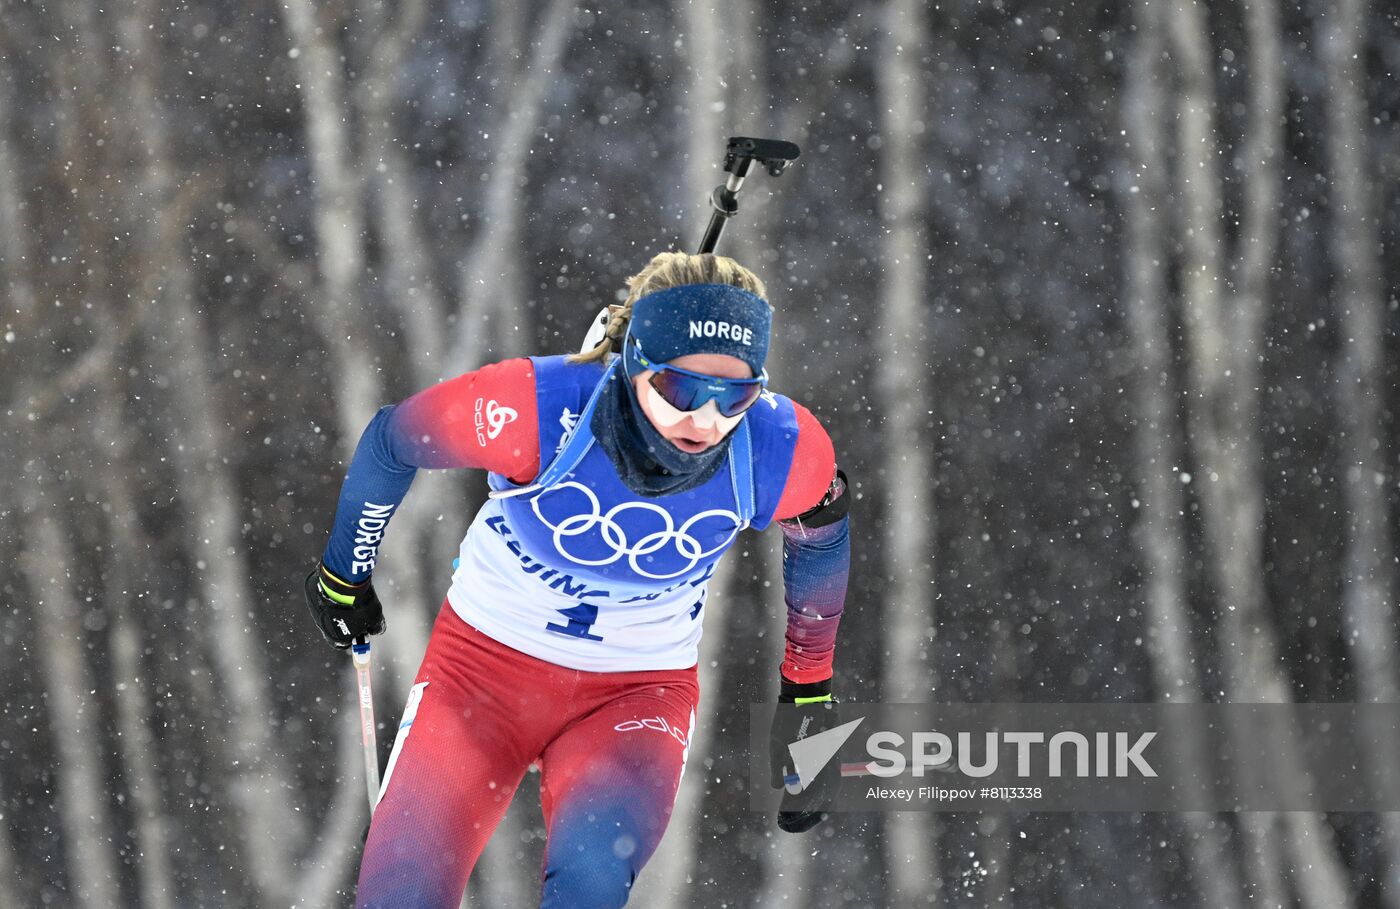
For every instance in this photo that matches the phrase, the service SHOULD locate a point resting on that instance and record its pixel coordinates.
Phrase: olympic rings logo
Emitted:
(615, 539)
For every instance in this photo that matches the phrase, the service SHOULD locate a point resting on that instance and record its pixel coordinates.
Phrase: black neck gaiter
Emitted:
(648, 464)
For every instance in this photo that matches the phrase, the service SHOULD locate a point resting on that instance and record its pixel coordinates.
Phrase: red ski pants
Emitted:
(611, 748)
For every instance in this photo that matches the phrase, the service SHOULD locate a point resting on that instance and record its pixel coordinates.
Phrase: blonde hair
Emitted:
(664, 271)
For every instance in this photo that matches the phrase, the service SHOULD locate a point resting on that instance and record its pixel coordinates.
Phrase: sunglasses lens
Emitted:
(685, 392)
(680, 391)
(739, 399)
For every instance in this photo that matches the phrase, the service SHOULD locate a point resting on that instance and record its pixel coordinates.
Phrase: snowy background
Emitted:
(1098, 302)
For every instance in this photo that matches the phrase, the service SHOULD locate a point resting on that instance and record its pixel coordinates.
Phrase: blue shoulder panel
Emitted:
(773, 430)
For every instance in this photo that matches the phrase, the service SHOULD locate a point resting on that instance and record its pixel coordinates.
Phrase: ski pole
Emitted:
(360, 655)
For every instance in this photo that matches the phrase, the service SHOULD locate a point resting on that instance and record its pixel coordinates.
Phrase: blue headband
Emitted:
(703, 318)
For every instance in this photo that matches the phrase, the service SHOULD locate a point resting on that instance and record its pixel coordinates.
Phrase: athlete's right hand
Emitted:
(342, 611)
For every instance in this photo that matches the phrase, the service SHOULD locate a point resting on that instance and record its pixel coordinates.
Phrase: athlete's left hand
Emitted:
(814, 711)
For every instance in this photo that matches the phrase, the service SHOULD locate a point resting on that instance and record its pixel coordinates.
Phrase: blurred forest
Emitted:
(1098, 301)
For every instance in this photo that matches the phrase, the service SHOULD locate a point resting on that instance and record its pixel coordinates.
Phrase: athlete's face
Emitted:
(692, 431)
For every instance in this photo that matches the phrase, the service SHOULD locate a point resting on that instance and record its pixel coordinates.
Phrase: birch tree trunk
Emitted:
(9, 865)
(993, 828)
(339, 218)
(748, 78)
(785, 883)
(137, 746)
(1234, 538)
(1160, 530)
(16, 278)
(1368, 574)
(16, 260)
(154, 877)
(407, 266)
(327, 877)
(1223, 375)
(271, 832)
(911, 847)
(705, 101)
(1318, 869)
(490, 275)
(46, 562)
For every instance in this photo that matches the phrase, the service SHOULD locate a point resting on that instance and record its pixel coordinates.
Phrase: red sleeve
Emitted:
(813, 467)
(485, 418)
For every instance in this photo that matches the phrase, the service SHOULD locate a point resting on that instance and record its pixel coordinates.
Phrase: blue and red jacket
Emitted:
(587, 573)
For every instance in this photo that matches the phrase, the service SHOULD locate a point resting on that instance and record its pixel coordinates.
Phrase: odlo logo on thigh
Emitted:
(657, 723)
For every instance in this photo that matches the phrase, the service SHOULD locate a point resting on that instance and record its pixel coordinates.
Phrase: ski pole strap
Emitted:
(336, 590)
(803, 692)
(335, 597)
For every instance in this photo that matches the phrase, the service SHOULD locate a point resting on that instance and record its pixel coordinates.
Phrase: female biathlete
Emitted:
(570, 633)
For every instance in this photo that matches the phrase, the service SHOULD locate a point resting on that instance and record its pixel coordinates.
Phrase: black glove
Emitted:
(342, 611)
(801, 811)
